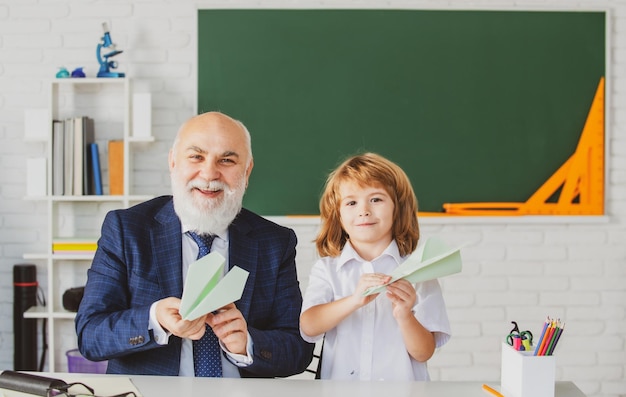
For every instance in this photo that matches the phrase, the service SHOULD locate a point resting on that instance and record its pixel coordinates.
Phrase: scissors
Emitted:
(520, 340)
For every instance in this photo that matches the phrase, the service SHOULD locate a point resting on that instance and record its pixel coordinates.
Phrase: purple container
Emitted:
(76, 363)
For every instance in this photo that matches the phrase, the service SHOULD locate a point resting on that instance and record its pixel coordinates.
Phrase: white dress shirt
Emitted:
(230, 361)
(368, 344)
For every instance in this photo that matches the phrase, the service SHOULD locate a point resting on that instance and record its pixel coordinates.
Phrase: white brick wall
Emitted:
(512, 270)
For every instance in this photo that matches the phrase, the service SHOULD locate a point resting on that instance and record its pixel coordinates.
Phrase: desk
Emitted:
(161, 386)
(151, 386)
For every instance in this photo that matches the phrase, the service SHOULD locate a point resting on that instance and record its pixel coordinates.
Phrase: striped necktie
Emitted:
(207, 357)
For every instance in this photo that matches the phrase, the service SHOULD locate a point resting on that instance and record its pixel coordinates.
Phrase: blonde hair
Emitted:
(368, 169)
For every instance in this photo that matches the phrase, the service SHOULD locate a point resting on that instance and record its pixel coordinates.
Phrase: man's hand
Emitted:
(230, 327)
(168, 316)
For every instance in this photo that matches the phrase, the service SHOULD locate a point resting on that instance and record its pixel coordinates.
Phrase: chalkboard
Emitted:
(474, 105)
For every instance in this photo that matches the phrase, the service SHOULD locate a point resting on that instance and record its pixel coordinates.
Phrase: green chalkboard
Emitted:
(474, 105)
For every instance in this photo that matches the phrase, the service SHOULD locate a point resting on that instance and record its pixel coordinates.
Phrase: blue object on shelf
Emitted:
(62, 73)
(105, 64)
(78, 72)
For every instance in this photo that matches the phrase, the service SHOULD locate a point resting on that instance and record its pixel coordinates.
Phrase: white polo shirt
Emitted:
(368, 344)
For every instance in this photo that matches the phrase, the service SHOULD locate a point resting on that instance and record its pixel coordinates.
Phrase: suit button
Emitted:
(140, 339)
(266, 354)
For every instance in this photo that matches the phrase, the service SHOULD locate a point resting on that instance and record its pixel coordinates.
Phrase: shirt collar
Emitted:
(222, 235)
(348, 253)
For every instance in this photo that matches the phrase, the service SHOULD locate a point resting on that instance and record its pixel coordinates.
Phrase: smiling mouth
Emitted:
(210, 192)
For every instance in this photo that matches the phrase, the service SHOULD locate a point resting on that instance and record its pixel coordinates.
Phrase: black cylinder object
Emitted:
(30, 383)
(24, 329)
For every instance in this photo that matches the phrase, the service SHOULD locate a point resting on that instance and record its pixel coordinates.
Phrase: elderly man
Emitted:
(129, 313)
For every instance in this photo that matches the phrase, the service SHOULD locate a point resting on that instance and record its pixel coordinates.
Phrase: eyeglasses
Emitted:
(64, 391)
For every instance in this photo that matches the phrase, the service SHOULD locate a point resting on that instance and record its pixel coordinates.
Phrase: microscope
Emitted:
(105, 64)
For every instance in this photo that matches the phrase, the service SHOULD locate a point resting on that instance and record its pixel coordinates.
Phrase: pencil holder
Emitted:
(526, 375)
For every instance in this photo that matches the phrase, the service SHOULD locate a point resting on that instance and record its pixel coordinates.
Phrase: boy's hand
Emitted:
(403, 297)
(366, 281)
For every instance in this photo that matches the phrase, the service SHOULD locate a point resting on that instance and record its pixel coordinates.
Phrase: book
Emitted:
(74, 249)
(58, 158)
(205, 291)
(68, 157)
(74, 245)
(95, 185)
(77, 184)
(88, 139)
(83, 137)
(116, 167)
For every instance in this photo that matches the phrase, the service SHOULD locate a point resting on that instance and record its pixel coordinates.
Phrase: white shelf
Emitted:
(89, 80)
(75, 216)
(91, 198)
(59, 257)
(100, 198)
(43, 313)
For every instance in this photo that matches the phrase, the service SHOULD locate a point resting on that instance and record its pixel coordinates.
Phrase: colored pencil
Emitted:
(543, 333)
(556, 340)
(547, 338)
(492, 391)
(555, 333)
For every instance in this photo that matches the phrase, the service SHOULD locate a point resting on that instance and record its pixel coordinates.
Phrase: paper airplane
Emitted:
(205, 292)
(431, 260)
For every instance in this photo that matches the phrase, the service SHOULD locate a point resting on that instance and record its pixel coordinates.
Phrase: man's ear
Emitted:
(249, 171)
(170, 160)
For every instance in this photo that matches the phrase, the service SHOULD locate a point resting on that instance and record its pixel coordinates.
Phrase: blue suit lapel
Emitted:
(243, 252)
(167, 251)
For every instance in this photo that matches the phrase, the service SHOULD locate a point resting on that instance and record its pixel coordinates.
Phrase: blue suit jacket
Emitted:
(139, 261)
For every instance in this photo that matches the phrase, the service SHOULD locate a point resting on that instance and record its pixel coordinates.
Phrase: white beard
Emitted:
(207, 216)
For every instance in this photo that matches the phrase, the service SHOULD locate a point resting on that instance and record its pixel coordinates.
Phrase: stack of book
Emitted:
(75, 158)
(74, 246)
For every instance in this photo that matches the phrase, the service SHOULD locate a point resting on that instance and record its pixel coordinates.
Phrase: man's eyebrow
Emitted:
(196, 149)
(230, 153)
